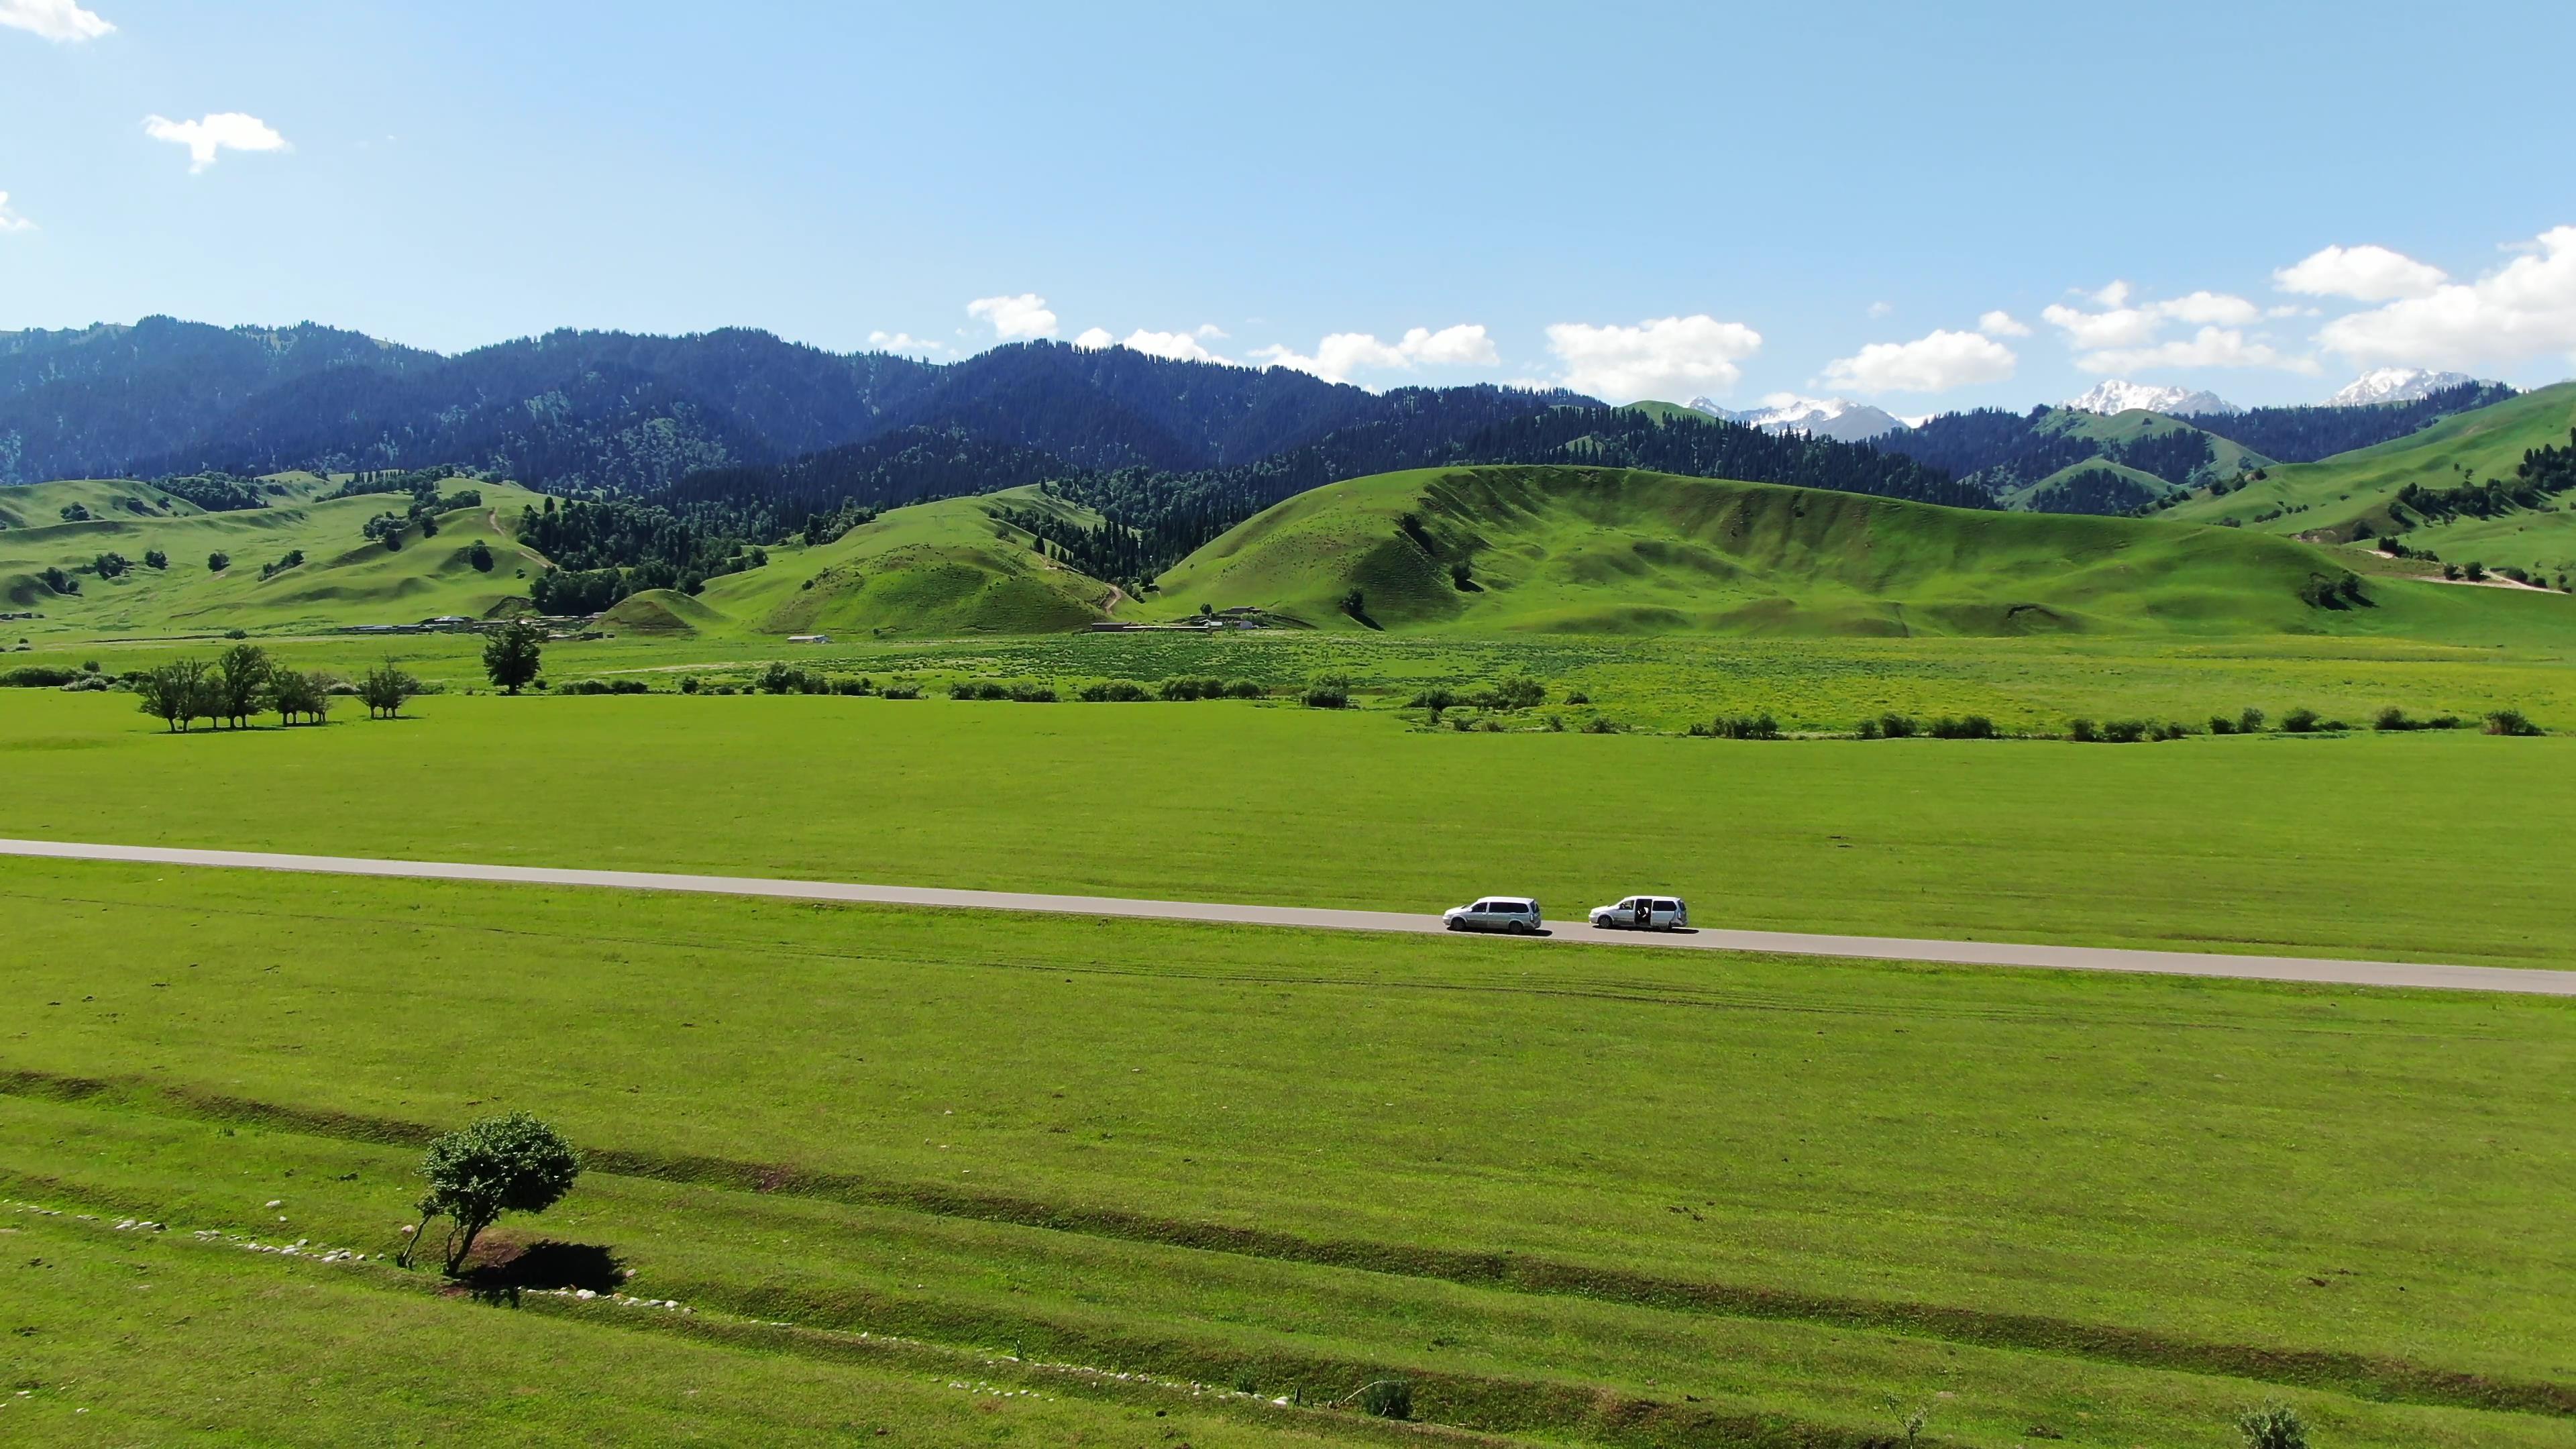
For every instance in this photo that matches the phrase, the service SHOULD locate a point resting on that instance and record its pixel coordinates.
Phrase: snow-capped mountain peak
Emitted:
(1816, 417)
(2117, 396)
(2395, 384)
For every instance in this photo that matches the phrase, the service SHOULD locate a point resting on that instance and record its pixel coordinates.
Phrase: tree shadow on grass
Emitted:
(499, 1270)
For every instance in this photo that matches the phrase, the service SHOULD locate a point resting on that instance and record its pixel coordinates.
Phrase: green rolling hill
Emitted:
(344, 579)
(2335, 499)
(1610, 551)
(945, 567)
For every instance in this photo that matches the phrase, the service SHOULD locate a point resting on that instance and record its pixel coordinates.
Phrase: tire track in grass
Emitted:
(2380, 1378)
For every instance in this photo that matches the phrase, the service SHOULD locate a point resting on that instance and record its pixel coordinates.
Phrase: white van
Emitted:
(1518, 915)
(1643, 913)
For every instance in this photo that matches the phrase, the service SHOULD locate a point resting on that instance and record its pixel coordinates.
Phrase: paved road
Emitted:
(1888, 948)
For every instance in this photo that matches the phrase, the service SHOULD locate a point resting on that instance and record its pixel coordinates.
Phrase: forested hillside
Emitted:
(607, 413)
(117, 401)
(2303, 435)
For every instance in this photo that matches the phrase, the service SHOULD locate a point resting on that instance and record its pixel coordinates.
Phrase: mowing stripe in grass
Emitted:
(1788, 943)
(2384, 1379)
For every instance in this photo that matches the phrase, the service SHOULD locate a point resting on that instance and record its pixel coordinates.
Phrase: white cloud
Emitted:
(1880, 309)
(1934, 363)
(1179, 346)
(2527, 308)
(2002, 324)
(905, 342)
(10, 220)
(1342, 354)
(1015, 319)
(2209, 309)
(1671, 356)
(2130, 338)
(2363, 273)
(2125, 326)
(220, 131)
(2210, 347)
(2119, 327)
(1094, 338)
(55, 20)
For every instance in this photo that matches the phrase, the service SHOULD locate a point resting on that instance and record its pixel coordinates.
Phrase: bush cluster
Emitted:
(1510, 693)
(2510, 722)
(604, 686)
(1329, 691)
(1019, 691)
(1739, 727)
(2393, 718)
(1186, 688)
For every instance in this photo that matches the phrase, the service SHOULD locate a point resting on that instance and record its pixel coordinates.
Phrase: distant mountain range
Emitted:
(2394, 385)
(1838, 418)
(619, 413)
(748, 434)
(2115, 396)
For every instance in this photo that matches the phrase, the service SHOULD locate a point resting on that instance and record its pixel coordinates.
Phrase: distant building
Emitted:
(809, 638)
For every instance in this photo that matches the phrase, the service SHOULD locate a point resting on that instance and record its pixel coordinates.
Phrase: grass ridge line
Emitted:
(2385, 1379)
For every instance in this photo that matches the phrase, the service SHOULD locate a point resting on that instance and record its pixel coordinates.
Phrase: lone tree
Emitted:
(384, 688)
(512, 655)
(241, 682)
(511, 1163)
(218, 561)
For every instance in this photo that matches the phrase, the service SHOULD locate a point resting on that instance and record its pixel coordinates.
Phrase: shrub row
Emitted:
(1128, 691)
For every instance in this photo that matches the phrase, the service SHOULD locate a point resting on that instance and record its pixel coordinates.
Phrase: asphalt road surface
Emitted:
(1886, 948)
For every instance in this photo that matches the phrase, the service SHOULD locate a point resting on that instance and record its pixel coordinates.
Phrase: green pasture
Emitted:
(1603, 551)
(2331, 495)
(344, 579)
(945, 567)
(2509, 656)
(125, 1337)
(1578, 1195)
(2437, 846)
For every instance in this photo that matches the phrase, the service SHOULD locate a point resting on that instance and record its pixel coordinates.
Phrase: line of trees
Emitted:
(245, 681)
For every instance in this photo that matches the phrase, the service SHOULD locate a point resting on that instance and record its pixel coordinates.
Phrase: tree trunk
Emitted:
(456, 1259)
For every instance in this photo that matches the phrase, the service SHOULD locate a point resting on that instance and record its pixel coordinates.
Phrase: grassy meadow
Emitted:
(2333, 494)
(1566, 1193)
(1497, 550)
(2264, 843)
(344, 579)
(940, 1178)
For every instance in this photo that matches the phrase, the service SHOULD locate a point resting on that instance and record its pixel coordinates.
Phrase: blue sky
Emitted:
(1925, 206)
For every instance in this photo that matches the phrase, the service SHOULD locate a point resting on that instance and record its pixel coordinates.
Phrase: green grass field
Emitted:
(2419, 846)
(344, 579)
(1576, 1195)
(2330, 496)
(945, 567)
(1602, 551)
(929, 1178)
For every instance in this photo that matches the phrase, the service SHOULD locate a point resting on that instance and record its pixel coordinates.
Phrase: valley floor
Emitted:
(1579, 1195)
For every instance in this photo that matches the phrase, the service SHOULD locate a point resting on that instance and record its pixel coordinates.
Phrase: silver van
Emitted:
(1643, 913)
(1518, 915)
